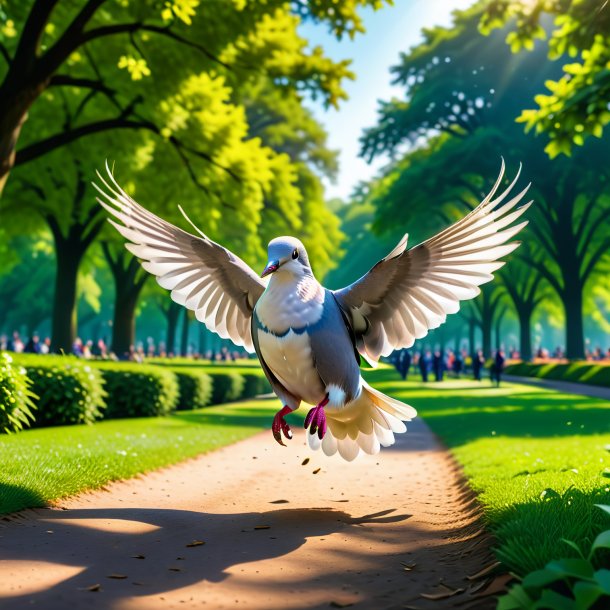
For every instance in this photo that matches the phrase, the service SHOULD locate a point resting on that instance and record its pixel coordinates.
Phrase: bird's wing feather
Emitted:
(411, 291)
(202, 275)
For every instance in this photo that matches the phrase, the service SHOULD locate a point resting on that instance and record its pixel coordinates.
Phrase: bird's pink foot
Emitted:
(316, 419)
(279, 426)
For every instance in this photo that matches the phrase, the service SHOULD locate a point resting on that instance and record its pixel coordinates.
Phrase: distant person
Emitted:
(438, 365)
(497, 367)
(33, 345)
(404, 363)
(458, 364)
(477, 364)
(45, 346)
(424, 365)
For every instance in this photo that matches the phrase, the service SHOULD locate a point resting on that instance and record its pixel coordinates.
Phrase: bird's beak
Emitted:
(270, 268)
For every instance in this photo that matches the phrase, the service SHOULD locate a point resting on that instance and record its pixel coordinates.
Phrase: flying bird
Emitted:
(308, 338)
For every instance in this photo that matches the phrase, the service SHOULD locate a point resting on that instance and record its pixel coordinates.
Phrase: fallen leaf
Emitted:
(317, 470)
(407, 566)
(485, 571)
(305, 462)
(338, 604)
(448, 592)
(175, 569)
(96, 587)
(195, 543)
(138, 583)
(179, 558)
(262, 527)
(279, 502)
(497, 585)
(138, 556)
(117, 576)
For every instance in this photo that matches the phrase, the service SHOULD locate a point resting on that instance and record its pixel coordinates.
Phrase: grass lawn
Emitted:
(536, 457)
(40, 465)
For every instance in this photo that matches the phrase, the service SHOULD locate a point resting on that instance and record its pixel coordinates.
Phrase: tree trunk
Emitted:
(525, 335)
(202, 339)
(172, 314)
(63, 326)
(124, 322)
(184, 341)
(575, 342)
(471, 340)
(486, 324)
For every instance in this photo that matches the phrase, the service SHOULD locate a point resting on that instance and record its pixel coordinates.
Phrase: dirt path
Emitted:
(277, 534)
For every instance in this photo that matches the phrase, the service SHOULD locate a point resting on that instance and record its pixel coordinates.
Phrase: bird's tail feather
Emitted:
(367, 423)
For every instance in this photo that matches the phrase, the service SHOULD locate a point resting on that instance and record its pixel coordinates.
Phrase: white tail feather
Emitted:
(367, 423)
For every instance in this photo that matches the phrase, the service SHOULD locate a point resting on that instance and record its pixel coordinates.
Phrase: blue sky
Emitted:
(389, 31)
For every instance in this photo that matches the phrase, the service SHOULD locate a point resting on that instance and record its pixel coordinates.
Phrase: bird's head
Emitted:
(287, 255)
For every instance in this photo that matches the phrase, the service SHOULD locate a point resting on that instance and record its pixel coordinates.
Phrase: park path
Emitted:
(277, 534)
(568, 387)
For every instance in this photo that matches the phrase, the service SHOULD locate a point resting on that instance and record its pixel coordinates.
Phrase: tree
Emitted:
(85, 45)
(453, 88)
(129, 280)
(577, 104)
(173, 104)
(524, 285)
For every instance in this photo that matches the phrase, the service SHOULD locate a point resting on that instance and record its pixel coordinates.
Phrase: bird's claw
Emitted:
(279, 425)
(316, 419)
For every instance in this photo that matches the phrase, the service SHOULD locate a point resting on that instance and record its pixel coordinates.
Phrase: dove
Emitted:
(309, 339)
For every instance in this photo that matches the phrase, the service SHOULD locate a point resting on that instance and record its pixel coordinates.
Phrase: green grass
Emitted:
(37, 466)
(591, 373)
(536, 458)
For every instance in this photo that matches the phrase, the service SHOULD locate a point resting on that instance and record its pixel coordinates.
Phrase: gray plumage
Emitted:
(307, 338)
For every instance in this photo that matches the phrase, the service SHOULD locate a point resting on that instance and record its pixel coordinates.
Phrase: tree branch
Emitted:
(64, 80)
(592, 229)
(4, 52)
(27, 47)
(602, 249)
(552, 280)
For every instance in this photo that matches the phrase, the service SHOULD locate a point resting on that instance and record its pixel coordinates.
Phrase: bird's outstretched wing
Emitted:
(411, 291)
(202, 275)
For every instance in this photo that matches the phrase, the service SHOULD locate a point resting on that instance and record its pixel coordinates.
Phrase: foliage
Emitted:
(576, 106)
(194, 388)
(138, 390)
(566, 583)
(16, 397)
(536, 459)
(455, 121)
(255, 385)
(579, 372)
(227, 386)
(42, 465)
(69, 390)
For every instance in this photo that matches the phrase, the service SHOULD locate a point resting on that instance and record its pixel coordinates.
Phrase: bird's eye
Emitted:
(295, 254)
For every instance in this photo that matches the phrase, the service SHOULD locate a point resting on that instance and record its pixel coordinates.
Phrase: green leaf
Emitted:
(603, 578)
(516, 599)
(574, 546)
(586, 594)
(551, 599)
(579, 568)
(541, 578)
(601, 542)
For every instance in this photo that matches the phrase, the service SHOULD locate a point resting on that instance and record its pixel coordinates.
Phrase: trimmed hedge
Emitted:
(16, 398)
(138, 390)
(77, 391)
(577, 372)
(69, 390)
(227, 386)
(194, 389)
